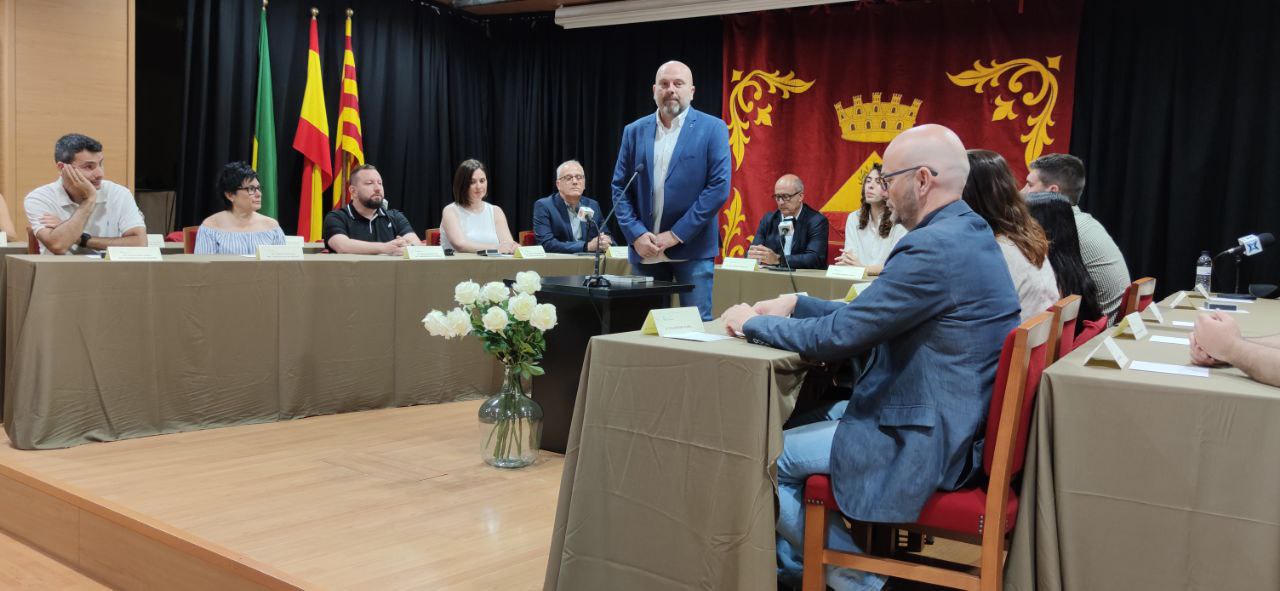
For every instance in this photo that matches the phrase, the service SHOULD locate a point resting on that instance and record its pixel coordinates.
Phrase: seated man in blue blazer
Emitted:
(558, 223)
(928, 334)
(794, 235)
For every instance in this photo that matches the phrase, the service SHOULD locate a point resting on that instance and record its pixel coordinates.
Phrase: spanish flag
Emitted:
(312, 140)
(348, 150)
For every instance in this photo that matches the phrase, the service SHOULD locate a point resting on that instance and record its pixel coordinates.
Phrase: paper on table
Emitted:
(1203, 309)
(1184, 323)
(705, 337)
(1157, 338)
(1180, 370)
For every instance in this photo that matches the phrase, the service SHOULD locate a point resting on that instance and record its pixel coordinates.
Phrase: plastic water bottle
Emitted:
(1204, 270)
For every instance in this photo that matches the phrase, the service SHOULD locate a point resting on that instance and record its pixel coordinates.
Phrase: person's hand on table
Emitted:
(735, 317)
(1199, 356)
(507, 247)
(780, 306)
(1216, 335)
(764, 254)
(848, 258)
(601, 241)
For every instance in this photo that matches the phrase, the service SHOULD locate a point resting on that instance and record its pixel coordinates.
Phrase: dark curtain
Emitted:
(1177, 117)
(436, 87)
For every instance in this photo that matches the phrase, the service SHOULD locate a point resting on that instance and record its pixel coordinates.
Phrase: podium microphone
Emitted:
(786, 229)
(596, 279)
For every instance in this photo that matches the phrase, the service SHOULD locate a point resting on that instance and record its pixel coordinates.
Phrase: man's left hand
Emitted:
(737, 316)
(764, 254)
(666, 240)
(1216, 334)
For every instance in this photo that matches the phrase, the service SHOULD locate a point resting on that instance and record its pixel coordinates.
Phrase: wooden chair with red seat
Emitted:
(174, 236)
(1092, 328)
(433, 237)
(1137, 297)
(33, 244)
(982, 516)
(189, 239)
(527, 238)
(1062, 329)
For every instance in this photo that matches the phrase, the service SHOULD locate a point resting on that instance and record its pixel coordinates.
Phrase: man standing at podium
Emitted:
(679, 160)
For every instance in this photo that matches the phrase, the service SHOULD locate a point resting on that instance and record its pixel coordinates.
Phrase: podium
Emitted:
(584, 312)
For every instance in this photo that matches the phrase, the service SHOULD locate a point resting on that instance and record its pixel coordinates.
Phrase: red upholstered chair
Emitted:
(174, 236)
(189, 239)
(1137, 297)
(527, 238)
(433, 237)
(33, 244)
(1062, 329)
(980, 516)
(1092, 328)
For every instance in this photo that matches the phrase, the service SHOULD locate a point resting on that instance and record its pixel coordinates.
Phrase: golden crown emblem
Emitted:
(876, 121)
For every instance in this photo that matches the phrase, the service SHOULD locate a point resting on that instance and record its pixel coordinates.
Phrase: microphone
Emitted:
(622, 193)
(1250, 244)
(597, 280)
(787, 228)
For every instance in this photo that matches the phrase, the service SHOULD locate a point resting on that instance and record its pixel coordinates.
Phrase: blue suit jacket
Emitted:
(551, 224)
(695, 189)
(808, 245)
(933, 323)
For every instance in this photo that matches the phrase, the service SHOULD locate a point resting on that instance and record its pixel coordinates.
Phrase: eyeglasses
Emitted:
(783, 197)
(884, 178)
(251, 189)
(572, 177)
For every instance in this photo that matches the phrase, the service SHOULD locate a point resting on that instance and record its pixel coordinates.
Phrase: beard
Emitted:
(371, 202)
(908, 211)
(673, 108)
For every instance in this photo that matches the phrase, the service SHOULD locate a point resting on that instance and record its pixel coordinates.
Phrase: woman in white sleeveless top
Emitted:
(469, 224)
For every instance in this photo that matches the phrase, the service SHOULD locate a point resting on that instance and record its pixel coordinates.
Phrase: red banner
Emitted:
(820, 92)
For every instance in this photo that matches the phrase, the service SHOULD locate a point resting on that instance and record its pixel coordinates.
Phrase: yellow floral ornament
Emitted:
(742, 102)
(1038, 136)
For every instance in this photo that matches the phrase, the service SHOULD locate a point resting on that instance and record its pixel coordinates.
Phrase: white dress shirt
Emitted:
(664, 145)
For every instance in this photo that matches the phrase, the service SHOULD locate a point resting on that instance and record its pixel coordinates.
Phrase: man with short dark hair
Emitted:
(366, 225)
(559, 222)
(1065, 174)
(82, 211)
(794, 235)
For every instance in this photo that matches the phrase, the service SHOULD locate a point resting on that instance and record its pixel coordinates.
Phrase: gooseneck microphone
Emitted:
(1250, 245)
(786, 229)
(596, 279)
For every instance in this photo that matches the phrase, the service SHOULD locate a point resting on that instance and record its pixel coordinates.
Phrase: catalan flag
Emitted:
(312, 140)
(264, 128)
(348, 150)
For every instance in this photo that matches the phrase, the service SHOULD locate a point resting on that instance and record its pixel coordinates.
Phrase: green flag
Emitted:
(264, 129)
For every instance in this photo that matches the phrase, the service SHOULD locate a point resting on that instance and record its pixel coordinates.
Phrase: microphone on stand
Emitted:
(787, 229)
(1249, 245)
(596, 279)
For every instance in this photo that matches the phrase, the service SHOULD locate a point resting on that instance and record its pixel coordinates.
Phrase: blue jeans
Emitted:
(806, 450)
(699, 272)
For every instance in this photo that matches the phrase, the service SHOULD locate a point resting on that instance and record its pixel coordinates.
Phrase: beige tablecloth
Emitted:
(670, 468)
(737, 287)
(1146, 481)
(99, 351)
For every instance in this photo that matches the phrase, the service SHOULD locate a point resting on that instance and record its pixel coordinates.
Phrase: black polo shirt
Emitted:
(386, 225)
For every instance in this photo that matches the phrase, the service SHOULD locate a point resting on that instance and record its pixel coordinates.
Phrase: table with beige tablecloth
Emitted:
(99, 350)
(670, 468)
(737, 287)
(1146, 481)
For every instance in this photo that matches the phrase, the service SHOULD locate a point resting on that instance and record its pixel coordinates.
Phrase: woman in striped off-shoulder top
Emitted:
(239, 229)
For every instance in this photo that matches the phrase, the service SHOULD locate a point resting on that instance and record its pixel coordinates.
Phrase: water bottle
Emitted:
(1204, 270)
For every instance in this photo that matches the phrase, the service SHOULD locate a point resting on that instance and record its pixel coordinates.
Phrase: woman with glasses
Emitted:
(870, 235)
(993, 194)
(470, 224)
(240, 228)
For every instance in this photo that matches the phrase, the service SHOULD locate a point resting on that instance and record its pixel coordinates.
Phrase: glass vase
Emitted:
(510, 425)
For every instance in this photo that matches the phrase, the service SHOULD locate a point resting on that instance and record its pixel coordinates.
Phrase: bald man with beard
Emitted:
(927, 336)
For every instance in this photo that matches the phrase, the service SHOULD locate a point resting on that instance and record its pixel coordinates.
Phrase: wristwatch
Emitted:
(84, 240)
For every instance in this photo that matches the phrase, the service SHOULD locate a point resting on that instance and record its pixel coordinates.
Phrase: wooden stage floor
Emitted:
(383, 499)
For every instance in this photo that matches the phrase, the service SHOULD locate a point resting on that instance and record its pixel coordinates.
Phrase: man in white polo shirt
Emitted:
(81, 212)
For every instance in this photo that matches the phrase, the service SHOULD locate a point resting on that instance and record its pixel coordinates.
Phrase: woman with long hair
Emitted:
(1054, 214)
(870, 234)
(993, 194)
(471, 224)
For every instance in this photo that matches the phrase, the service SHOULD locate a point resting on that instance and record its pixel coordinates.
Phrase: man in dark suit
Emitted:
(559, 223)
(679, 157)
(927, 333)
(794, 235)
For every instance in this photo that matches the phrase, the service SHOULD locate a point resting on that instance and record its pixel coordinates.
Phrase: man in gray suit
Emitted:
(928, 334)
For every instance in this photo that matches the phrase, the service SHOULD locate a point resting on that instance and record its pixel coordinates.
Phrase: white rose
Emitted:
(495, 319)
(522, 306)
(457, 323)
(435, 324)
(544, 317)
(466, 292)
(528, 282)
(495, 292)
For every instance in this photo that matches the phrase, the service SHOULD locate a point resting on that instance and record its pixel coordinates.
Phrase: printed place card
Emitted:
(846, 272)
(418, 253)
(156, 240)
(666, 321)
(1107, 354)
(295, 240)
(1137, 327)
(133, 253)
(1155, 312)
(1180, 302)
(854, 291)
(279, 252)
(616, 252)
(530, 252)
(739, 264)
(1204, 293)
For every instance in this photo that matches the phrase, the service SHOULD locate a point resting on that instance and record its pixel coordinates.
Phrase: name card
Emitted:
(295, 240)
(530, 252)
(279, 252)
(1155, 312)
(156, 240)
(1180, 302)
(846, 272)
(4, 237)
(854, 290)
(1204, 293)
(1108, 354)
(133, 253)
(1132, 327)
(739, 264)
(616, 252)
(666, 321)
(418, 253)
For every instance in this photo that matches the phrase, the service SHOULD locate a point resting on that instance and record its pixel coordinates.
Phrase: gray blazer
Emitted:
(932, 325)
